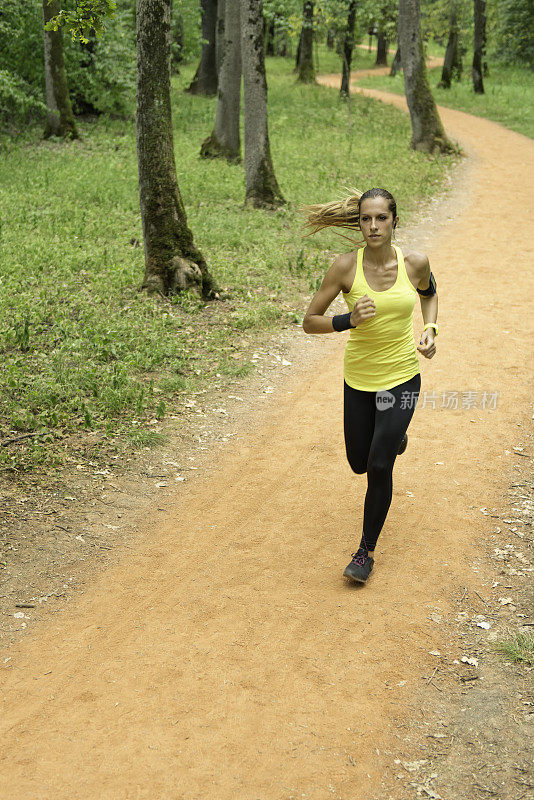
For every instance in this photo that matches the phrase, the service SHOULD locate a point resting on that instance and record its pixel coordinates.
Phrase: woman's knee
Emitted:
(357, 465)
(379, 468)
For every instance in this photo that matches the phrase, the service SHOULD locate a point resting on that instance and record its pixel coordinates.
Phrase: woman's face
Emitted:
(376, 221)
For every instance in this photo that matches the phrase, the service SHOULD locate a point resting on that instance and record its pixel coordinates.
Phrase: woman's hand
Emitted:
(426, 346)
(364, 308)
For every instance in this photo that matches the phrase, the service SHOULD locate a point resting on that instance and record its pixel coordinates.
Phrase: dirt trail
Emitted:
(227, 659)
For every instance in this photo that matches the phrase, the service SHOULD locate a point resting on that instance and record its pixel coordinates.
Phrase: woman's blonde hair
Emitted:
(343, 213)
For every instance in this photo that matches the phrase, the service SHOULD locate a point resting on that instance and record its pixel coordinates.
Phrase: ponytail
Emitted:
(343, 213)
(337, 214)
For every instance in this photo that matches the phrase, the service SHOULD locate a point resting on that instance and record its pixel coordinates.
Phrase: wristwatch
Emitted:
(432, 325)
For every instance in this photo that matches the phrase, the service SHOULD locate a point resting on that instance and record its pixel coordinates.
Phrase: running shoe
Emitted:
(403, 444)
(360, 567)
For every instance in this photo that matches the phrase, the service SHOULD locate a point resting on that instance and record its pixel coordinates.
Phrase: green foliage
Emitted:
(435, 20)
(100, 71)
(19, 102)
(514, 32)
(87, 16)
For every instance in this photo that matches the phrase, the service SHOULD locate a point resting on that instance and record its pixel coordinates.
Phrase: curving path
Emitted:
(226, 659)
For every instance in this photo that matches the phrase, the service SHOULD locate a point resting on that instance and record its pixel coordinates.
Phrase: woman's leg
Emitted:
(394, 411)
(359, 425)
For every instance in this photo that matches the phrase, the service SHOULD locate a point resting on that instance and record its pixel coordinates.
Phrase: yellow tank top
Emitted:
(380, 352)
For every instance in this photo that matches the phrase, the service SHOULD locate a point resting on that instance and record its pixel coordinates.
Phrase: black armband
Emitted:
(432, 289)
(341, 322)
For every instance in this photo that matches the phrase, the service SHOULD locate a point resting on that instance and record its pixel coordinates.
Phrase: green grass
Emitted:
(519, 649)
(83, 351)
(508, 98)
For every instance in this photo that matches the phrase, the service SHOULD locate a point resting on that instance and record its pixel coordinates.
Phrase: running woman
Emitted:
(382, 378)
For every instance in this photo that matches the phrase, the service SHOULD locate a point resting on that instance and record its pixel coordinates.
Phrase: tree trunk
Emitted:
(330, 39)
(219, 36)
(261, 186)
(427, 130)
(172, 262)
(478, 44)
(348, 46)
(381, 51)
(177, 34)
(205, 80)
(306, 71)
(269, 38)
(224, 142)
(396, 64)
(452, 51)
(299, 51)
(59, 117)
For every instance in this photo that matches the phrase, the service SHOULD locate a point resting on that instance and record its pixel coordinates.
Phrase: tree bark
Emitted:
(219, 35)
(172, 262)
(59, 117)
(306, 67)
(348, 46)
(205, 80)
(381, 51)
(177, 33)
(299, 50)
(224, 142)
(269, 38)
(479, 7)
(452, 53)
(262, 189)
(396, 64)
(427, 130)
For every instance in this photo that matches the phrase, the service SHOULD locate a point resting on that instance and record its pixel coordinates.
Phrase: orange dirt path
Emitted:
(226, 658)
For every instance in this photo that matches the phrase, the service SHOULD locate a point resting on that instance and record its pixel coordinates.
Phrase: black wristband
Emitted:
(341, 322)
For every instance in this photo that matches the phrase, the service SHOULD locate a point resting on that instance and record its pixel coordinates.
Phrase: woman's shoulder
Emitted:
(344, 267)
(417, 265)
(417, 260)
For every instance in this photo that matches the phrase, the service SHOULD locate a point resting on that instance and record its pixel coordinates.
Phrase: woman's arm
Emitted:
(333, 283)
(429, 305)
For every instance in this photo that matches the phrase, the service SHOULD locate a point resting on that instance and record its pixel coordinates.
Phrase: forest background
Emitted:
(86, 352)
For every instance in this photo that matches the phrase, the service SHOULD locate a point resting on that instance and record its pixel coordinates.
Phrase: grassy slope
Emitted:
(82, 349)
(508, 98)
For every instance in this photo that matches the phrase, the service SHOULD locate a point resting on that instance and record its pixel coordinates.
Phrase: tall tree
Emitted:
(381, 50)
(479, 40)
(59, 117)
(306, 67)
(224, 142)
(261, 186)
(270, 27)
(427, 130)
(205, 79)
(172, 261)
(219, 35)
(452, 63)
(396, 64)
(348, 46)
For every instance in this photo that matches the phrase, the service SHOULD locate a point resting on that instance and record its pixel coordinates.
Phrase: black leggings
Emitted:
(375, 423)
